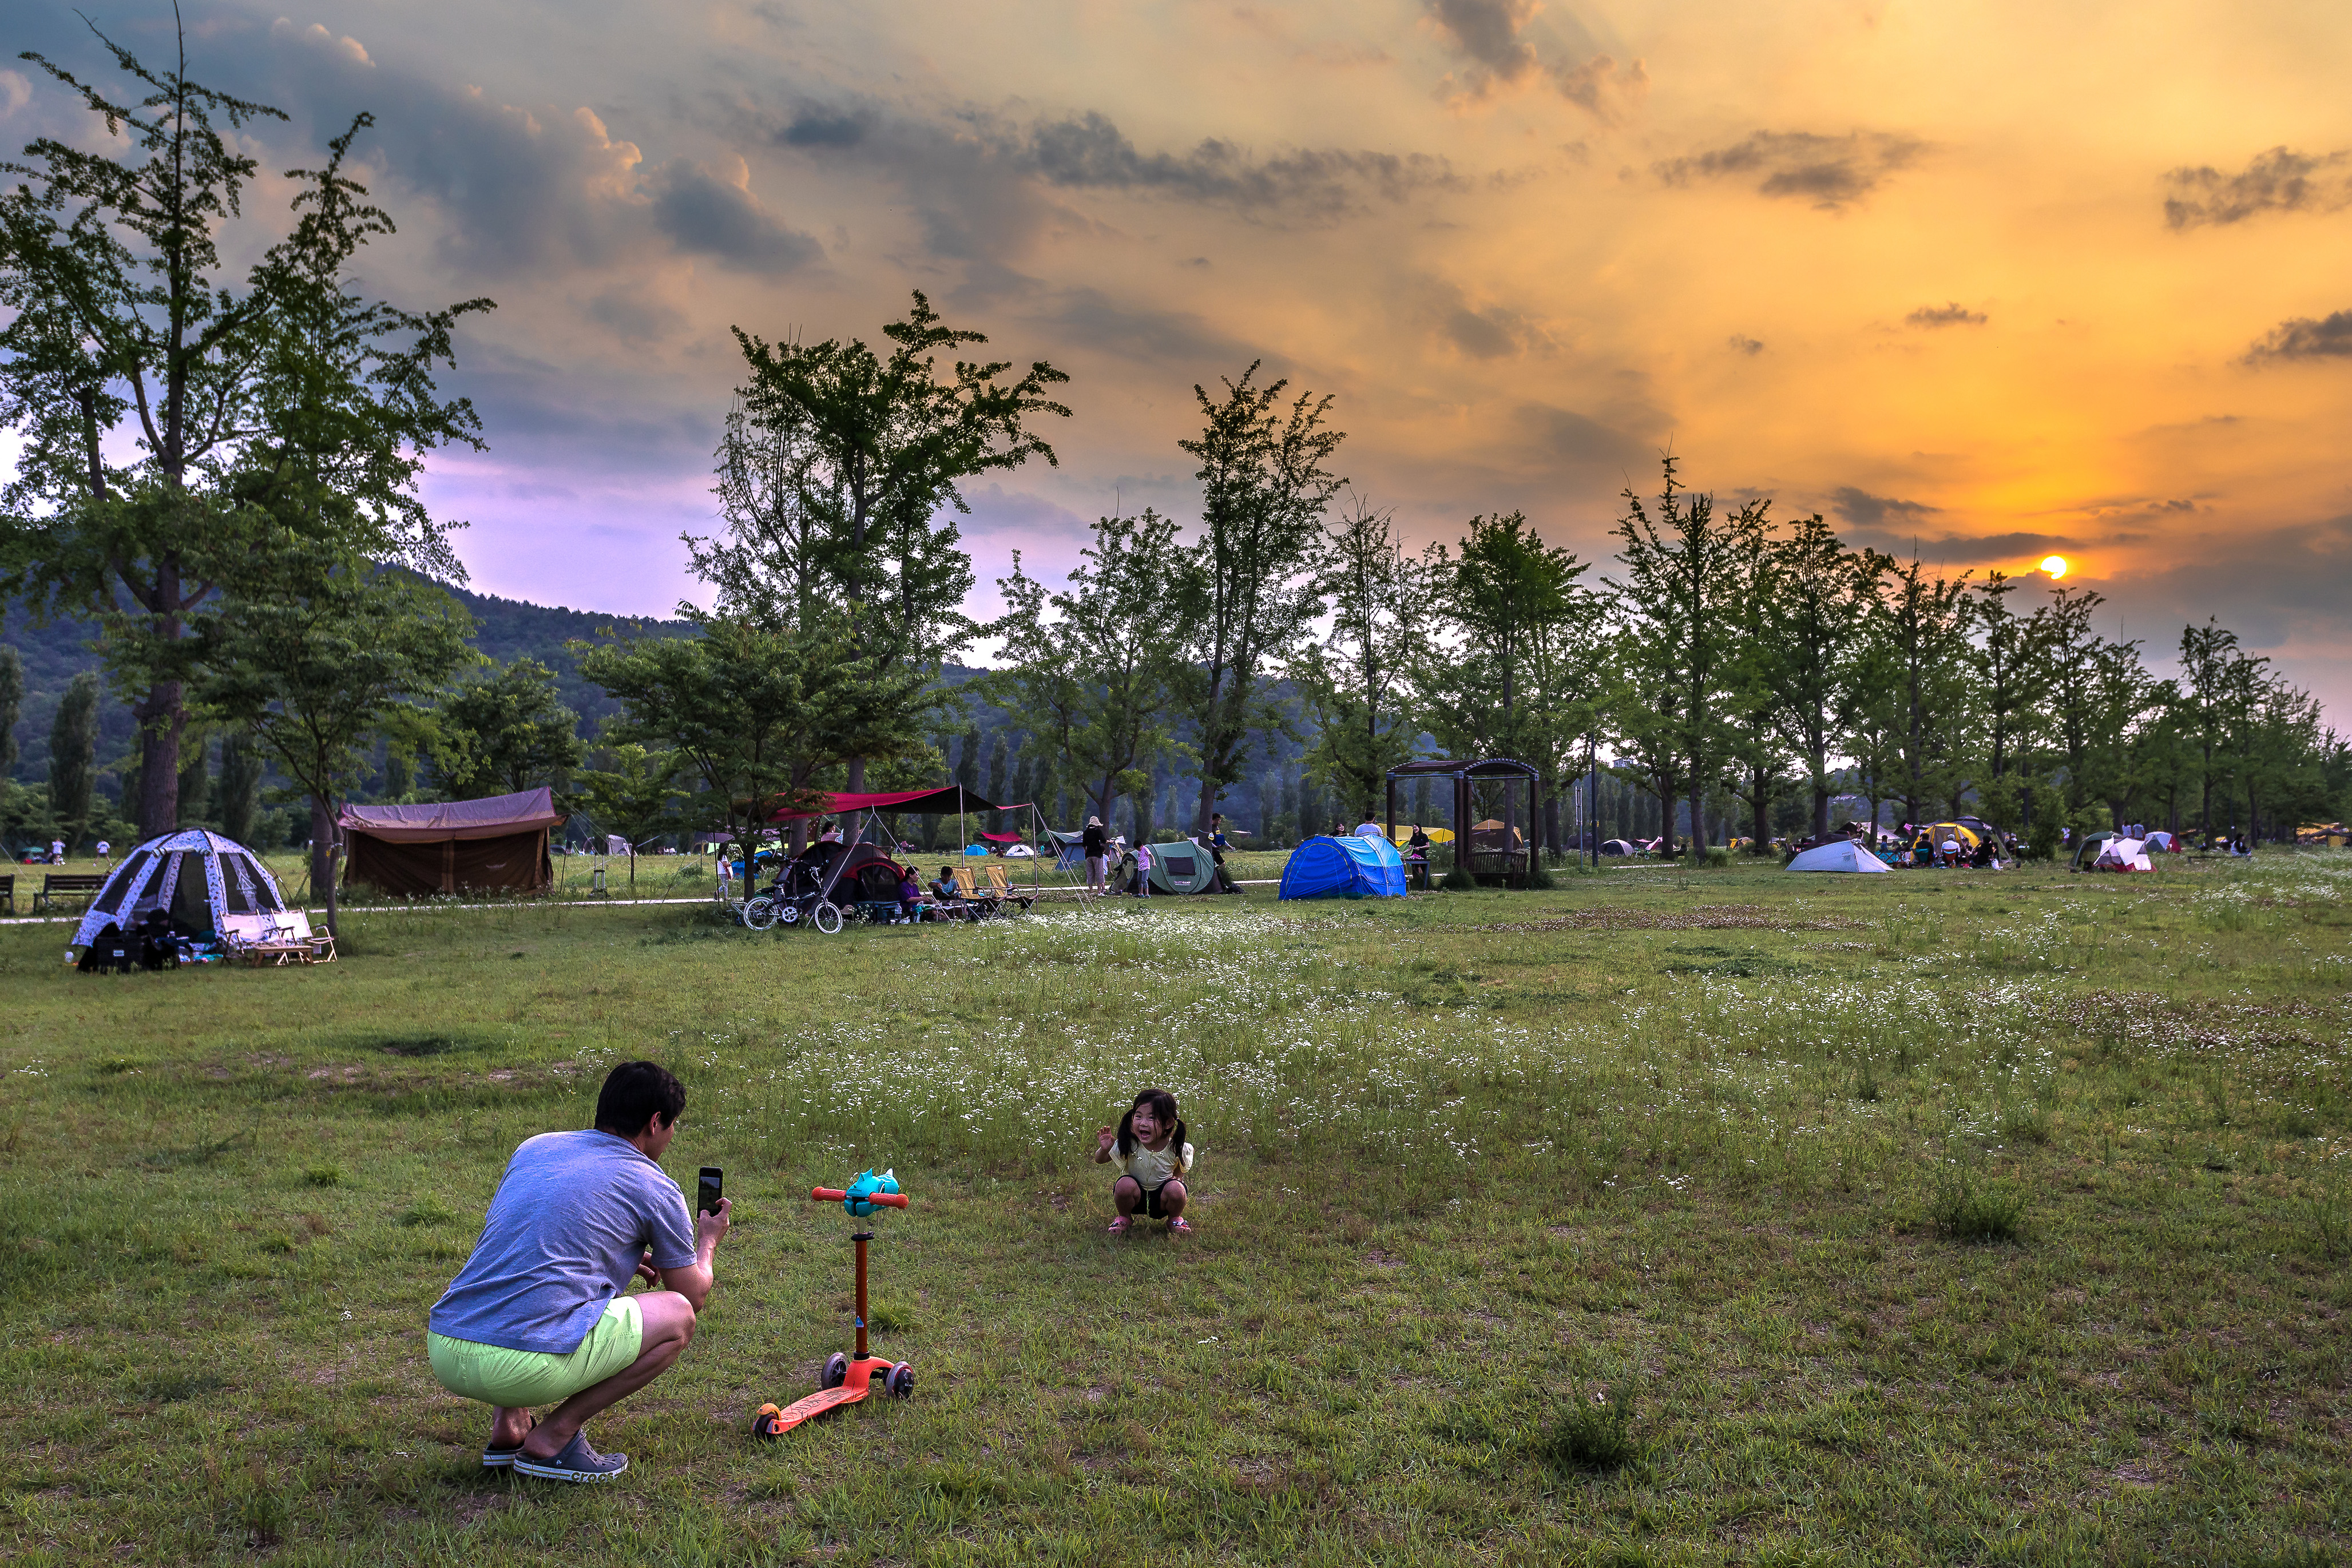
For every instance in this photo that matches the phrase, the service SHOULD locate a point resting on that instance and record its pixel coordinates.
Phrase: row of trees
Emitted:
(1725, 659)
(222, 469)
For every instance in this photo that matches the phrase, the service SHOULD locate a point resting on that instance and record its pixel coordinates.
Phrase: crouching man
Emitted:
(540, 1313)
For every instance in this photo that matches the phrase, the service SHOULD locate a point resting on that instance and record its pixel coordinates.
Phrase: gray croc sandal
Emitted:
(578, 1462)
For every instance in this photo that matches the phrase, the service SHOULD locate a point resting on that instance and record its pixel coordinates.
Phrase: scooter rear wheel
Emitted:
(901, 1381)
(836, 1371)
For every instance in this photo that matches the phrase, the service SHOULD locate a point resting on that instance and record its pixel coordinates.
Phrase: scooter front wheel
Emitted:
(901, 1381)
(836, 1371)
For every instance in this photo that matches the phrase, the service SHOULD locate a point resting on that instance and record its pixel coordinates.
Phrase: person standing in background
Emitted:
(1096, 847)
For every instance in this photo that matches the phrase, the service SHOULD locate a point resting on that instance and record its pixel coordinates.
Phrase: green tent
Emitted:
(1182, 867)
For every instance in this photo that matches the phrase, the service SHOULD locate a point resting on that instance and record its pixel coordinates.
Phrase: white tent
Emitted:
(2122, 854)
(1843, 855)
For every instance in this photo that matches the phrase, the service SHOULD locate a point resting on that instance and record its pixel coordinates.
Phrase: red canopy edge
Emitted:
(442, 821)
(936, 801)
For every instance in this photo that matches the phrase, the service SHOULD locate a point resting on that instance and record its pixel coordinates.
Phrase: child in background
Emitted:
(1150, 1148)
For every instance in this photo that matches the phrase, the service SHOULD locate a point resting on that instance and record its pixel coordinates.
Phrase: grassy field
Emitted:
(1665, 1218)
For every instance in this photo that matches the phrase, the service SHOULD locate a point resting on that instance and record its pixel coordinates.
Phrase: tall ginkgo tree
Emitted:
(171, 410)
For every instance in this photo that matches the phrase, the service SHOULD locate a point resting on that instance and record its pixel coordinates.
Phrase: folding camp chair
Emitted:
(999, 890)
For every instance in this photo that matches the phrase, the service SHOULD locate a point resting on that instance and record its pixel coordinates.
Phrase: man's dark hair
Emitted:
(632, 1091)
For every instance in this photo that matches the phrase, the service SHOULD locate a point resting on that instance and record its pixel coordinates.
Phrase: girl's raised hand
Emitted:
(1104, 1138)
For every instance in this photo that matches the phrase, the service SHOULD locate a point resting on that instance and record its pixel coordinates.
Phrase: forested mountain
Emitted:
(508, 629)
(504, 630)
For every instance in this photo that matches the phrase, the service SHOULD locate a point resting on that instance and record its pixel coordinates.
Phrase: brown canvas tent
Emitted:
(500, 843)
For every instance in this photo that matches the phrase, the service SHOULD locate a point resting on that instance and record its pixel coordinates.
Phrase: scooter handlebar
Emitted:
(836, 1195)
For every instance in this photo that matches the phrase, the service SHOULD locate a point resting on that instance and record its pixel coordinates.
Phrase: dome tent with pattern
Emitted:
(207, 884)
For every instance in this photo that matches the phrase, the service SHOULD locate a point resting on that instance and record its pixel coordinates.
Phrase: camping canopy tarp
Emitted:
(946, 800)
(498, 841)
(1183, 868)
(1843, 855)
(209, 885)
(1344, 867)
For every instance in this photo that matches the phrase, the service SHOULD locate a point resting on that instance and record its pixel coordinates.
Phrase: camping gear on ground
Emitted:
(497, 844)
(1945, 844)
(1030, 848)
(2122, 854)
(1326, 867)
(1839, 854)
(207, 888)
(846, 1379)
(1182, 867)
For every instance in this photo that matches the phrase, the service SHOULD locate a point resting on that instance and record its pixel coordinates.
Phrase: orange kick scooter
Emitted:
(847, 1379)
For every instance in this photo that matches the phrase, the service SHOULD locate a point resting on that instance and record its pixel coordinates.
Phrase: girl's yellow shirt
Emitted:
(1157, 1167)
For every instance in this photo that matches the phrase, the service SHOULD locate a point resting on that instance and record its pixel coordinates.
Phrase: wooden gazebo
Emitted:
(1500, 845)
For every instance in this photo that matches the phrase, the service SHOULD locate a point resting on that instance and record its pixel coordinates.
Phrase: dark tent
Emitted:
(498, 843)
(844, 873)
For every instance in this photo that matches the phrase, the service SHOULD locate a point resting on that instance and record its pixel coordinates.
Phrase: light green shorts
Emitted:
(520, 1379)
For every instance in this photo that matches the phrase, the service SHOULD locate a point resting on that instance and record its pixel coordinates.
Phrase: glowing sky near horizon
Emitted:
(1994, 282)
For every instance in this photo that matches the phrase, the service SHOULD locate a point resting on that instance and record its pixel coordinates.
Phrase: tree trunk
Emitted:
(162, 718)
(322, 858)
(1761, 834)
(856, 785)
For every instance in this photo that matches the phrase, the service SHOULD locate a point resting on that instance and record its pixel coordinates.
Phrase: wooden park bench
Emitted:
(79, 884)
(8, 892)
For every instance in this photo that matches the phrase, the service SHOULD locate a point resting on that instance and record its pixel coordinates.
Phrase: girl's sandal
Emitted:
(1180, 1226)
(1119, 1227)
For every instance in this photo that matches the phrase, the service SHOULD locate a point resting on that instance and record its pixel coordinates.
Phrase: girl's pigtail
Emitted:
(1127, 1133)
(1176, 1146)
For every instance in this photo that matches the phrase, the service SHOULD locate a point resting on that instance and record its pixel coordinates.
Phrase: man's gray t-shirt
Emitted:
(571, 1217)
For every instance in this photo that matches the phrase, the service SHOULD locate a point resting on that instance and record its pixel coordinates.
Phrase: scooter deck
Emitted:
(860, 1383)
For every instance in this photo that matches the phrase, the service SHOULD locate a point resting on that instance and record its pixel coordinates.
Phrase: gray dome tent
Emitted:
(1182, 867)
(209, 885)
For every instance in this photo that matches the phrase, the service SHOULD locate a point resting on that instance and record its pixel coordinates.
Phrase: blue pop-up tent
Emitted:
(1344, 867)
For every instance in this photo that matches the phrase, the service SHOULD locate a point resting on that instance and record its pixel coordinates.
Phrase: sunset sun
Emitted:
(2054, 565)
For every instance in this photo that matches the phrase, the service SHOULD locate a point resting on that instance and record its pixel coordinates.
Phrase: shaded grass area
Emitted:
(1662, 1218)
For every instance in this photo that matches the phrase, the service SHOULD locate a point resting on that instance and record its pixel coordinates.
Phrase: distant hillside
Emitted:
(508, 629)
(504, 630)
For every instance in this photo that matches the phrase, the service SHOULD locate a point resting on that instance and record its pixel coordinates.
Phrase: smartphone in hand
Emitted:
(707, 1191)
